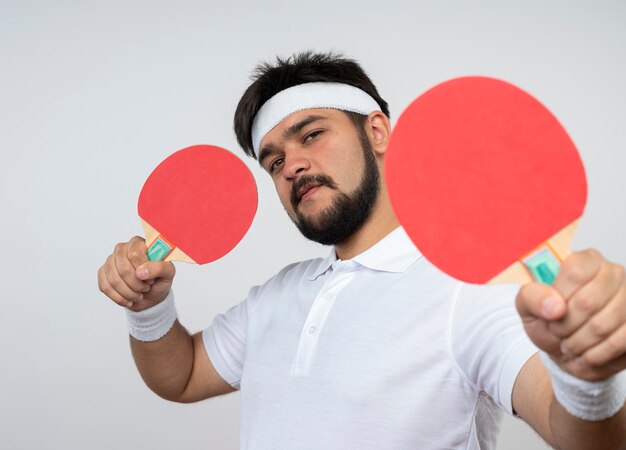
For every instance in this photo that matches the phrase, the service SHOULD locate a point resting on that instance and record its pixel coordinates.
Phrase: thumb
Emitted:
(540, 301)
(538, 304)
(152, 270)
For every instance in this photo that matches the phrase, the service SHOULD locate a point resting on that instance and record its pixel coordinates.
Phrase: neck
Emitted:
(379, 224)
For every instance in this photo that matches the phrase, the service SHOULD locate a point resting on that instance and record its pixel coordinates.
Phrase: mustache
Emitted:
(305, 180)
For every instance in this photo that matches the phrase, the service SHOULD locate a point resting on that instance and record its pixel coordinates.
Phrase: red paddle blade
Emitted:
(201, 199)
(480, 173)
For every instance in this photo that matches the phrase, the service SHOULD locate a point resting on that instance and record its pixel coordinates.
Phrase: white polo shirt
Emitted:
(379, 352)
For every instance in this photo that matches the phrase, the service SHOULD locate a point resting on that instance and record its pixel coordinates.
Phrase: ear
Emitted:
(379, 130)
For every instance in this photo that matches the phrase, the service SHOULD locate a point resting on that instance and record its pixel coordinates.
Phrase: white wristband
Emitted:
(152, 323)
(587, 400)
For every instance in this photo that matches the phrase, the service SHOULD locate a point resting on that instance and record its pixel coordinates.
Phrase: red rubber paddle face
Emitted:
(479, 174)
(202, 199)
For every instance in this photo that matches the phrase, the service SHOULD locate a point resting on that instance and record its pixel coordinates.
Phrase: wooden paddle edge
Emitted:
(176, 254)
(517, 273)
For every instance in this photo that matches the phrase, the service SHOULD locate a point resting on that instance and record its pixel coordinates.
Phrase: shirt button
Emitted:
(312, 329)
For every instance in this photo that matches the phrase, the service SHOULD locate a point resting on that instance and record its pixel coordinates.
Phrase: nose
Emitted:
(296, 163)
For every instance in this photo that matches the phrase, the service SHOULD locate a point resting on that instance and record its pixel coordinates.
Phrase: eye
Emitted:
(275, 165)
(312, 135)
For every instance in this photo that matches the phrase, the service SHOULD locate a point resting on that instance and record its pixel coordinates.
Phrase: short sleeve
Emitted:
(488, 340)
(224, 341)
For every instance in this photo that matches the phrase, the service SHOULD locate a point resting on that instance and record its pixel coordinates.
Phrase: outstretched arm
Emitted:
(580, 325)
(171, 362)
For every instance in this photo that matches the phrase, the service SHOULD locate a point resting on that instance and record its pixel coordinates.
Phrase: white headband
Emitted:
(307, 96)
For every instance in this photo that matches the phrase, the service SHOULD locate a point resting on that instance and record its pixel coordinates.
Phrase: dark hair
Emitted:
(269, 79)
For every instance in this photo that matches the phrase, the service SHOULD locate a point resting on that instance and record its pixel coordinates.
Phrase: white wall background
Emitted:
(94, 94)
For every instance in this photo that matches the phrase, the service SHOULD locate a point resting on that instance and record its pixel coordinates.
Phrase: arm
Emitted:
(175, 366)
(534, 402)
(580, 322)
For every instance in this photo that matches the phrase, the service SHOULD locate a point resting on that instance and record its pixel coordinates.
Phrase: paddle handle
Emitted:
(159, 249)
(543, 264)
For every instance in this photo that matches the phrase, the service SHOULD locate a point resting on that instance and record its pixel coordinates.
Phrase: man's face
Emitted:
(324, 171)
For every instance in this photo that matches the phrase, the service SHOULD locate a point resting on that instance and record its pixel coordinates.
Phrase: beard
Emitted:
(347, 212)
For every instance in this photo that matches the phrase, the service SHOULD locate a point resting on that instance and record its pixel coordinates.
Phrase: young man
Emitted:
(372, 347)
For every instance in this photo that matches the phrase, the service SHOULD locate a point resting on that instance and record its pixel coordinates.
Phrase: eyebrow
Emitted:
(288, 133)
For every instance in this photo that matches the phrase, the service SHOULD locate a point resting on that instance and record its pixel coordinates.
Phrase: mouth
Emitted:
(306, 186)
(306, 191)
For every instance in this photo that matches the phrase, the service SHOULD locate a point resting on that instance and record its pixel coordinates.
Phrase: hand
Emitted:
(580, 321)
(130, 280)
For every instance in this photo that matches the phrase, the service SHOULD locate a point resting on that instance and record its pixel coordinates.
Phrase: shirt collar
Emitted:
(393, 253)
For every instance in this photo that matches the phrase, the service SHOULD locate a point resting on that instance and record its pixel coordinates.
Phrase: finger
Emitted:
(580, 369)
(126, 270)
(137, 252)
(608, 352)
(107, 289)
(117, 282)
(537, 304)
(599, 327)
(152, 270)
(576, 271)
(590, 298)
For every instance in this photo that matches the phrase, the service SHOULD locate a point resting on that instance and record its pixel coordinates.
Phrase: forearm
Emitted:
(586, 414)
(166, 364)
(572, 433)
(534, 399)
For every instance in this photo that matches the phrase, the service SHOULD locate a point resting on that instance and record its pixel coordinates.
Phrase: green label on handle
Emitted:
(159, 250)
(543, 265)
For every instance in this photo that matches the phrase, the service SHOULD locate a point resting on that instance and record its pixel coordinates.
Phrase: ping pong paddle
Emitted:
(486, 181)
(197, 205)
